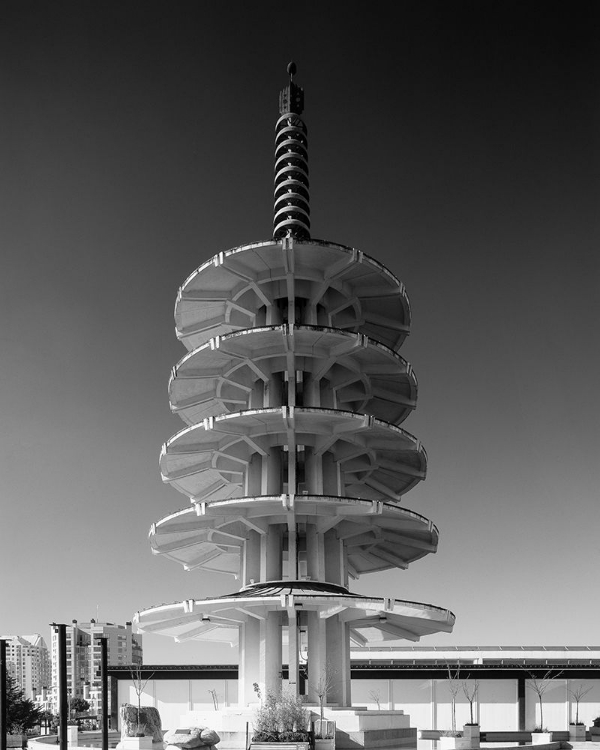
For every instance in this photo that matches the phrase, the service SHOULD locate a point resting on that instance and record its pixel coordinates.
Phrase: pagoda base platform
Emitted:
(356, 727)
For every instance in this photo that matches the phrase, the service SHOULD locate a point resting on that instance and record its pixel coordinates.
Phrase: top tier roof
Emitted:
(331, 284)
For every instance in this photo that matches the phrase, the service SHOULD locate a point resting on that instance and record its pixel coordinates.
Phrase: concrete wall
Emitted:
(428, 702)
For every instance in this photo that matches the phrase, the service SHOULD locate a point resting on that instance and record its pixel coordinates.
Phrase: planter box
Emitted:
(16, 740)
(471, 732)
(577, 732)
(72, 734)
(455, 743)
(280, 745)
(325, 744)
(324, 728)
(135, 743)
(541, 738)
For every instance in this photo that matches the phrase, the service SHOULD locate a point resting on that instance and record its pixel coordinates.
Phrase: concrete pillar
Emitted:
(274, 390)
(273, 315)
(253, 475)
(271, 554)
(271, 656)
(251, 559)
(292, 548)
(327, 394)
(293, 648)
(312, 392)
(521, 703)
(272, 472)
(257, 395)
(329, 474)
(249, 656)
(317, 656)
(313, 474)
(333, 553)
(314, 553)
(338, 659)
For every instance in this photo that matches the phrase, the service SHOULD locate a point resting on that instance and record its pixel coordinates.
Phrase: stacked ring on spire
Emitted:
(292, 210)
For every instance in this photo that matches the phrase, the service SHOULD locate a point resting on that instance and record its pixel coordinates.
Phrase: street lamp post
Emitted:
(63, 700)
(3, 727)
(104, 682)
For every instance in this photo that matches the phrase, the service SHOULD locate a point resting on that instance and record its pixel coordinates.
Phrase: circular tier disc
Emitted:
(359, 374)
(376, 536)
(354, 291)
(377, 460)
(368, 618)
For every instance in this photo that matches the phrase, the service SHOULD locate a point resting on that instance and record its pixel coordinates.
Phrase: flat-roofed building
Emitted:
(28, 662)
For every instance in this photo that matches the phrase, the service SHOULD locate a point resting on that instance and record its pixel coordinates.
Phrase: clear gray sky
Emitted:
(456, 142)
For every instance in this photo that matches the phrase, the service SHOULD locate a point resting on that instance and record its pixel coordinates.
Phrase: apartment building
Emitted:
(84, 658)
(28, 662)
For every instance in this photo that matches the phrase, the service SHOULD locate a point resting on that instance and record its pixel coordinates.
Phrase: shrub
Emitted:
(281, 718)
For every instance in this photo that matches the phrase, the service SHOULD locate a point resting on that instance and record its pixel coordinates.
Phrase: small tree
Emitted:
(578, 693)
(470, 690)
(540, 685)
(322, 688)
(78, 706)
(376, 696)
(139, 685)
(454, 685)
(21, 713)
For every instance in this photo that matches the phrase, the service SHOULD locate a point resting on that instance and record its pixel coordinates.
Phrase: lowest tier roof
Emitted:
(369, 618)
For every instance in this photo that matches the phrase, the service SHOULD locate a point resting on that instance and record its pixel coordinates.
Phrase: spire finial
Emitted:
(292, 211)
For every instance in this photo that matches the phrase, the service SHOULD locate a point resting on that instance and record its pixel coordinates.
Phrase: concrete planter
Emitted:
(72, 735)
(135, 743)
(577, 732)
(16, 740)
(280, 746)
(471, 732)
(454, 743)
(324, 729)
(541, 738)
(325, 744)
(595, 734)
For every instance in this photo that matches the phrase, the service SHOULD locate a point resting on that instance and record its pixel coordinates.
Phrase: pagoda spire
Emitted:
(291, 210)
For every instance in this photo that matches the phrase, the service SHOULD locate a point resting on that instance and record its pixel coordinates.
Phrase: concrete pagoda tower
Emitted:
(293, 458)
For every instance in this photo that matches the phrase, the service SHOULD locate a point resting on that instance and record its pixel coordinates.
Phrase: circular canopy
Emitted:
(368, 618)
(361, 374)
(376, 536)
(353, 291)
